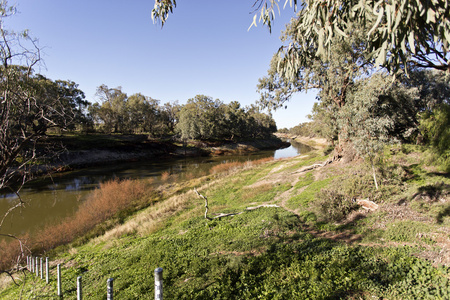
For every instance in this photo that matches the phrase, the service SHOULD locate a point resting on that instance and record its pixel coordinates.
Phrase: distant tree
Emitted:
(111, 110)
(200, 118)
(204, 118)
(170, 115)
(259, 124)
(142, 114)
(75, 101)
(234, 122)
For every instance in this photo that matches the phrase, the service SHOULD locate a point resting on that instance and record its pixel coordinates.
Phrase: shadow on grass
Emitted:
(442, 214)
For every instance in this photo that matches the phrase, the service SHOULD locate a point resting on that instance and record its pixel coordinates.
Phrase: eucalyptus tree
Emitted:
(398, 33)
(234, 124)
(200, 118)
(169, 115)
(142, 114)
(111, 109)
(30, 105)
(378, 112)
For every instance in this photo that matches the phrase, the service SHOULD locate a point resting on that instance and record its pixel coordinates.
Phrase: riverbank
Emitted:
(314, 142)
(291, 229)
(87, 151)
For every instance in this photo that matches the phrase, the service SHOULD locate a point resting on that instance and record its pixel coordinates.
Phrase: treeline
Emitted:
(115, 112)
(200, 118)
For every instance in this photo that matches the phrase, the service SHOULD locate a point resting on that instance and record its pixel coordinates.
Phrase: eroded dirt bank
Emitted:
(135, 151)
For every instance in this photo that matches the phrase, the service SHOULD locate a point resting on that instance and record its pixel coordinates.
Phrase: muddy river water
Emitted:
(51, 199)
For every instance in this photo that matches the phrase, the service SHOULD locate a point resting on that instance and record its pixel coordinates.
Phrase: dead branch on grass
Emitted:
(314, 166)
(206, 203)
(221, 215)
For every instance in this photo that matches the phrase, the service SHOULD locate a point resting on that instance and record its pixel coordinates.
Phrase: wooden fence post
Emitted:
(58, 268)
(79, 289)
(158, 284)
(109, 289)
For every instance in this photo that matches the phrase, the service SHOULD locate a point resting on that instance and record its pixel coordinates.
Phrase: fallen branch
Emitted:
(221, 215)
(262, 205)
(206, 203)
(367, 204)
(314, 166)
(227, 215)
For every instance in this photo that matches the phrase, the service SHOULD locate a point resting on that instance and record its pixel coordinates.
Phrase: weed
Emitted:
(165, 176)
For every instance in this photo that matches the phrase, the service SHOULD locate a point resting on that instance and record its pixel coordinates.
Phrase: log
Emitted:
(367, 204)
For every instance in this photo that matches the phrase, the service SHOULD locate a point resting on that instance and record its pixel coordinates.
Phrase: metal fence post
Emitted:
(46, 270)
(42, 269)
(79, 291)
(37, 266)
(58, 268)
(158, 284)
(109, 289)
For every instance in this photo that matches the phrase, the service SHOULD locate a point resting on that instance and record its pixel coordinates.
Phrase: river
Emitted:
(50, 199)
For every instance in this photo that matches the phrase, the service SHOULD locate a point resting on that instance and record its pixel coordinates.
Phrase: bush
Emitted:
(332, 205)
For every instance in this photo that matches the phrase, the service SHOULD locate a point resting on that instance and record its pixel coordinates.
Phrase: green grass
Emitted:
(267, 253)
(256, 254)
(308, 195)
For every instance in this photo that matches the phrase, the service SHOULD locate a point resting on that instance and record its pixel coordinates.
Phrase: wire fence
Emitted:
(39, 266)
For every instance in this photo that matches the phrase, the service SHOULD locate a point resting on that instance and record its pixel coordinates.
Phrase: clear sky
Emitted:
(204, 48)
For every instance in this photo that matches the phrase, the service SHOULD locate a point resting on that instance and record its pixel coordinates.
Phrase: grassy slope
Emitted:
(289, 252)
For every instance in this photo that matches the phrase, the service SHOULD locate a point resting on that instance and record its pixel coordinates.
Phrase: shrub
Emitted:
(332, 205)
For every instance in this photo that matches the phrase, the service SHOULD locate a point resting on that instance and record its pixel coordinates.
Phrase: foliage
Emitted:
(136, 114)
(204, 118)
(30, 104)
(398, 32)
(309, 129)
(333, 206)
(377, 113)
(435, 126)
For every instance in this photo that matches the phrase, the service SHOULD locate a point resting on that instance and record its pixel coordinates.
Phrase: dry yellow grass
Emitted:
(150, 220)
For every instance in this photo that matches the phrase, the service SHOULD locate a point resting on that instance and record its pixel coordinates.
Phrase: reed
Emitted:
(108, 200)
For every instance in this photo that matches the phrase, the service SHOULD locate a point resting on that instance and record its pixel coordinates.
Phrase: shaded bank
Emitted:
(114, 149)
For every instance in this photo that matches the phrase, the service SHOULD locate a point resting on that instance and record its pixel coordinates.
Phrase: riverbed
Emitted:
(50, 199)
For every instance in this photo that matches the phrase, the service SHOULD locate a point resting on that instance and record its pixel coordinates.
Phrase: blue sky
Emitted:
(204, 48)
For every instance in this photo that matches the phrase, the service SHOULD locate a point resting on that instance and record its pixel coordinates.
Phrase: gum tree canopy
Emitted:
(399, 33)
(30, 104)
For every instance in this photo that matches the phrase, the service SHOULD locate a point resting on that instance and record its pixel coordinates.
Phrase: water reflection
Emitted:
(53, 198)
(293, 150)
